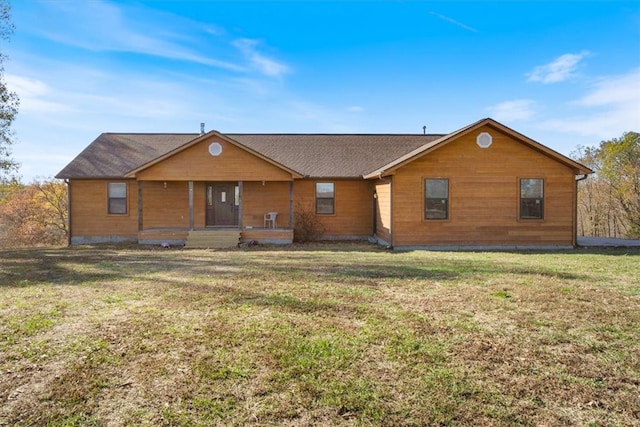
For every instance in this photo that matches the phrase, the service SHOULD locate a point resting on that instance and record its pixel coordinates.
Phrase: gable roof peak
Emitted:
(420, 151)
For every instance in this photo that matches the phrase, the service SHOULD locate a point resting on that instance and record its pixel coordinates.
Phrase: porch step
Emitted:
(217, 239)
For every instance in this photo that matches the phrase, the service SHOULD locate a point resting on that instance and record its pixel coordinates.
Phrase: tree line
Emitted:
(33, 215)
(609, 199)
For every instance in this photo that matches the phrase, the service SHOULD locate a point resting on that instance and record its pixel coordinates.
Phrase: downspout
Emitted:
(575, 211)
(66, 181)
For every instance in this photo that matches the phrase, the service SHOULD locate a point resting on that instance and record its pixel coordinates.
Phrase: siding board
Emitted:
(258, 199)
(89, 211)
(196, 164)
(484, 193)
(353, 215)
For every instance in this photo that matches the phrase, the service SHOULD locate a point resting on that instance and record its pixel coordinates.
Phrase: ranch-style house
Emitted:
(482, 186)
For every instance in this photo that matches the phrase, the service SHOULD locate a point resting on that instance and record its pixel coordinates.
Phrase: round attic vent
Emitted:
(215, 149)
(484, 140)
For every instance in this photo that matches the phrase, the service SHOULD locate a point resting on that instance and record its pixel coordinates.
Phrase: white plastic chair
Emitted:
(270, 220)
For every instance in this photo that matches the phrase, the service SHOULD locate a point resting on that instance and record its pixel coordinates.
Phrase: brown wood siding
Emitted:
(267, 236)
(196, 164)
(383, 211)
(258, 199)
(353, 206)
(162, 234)
(165, 207)
(484, 187)
(89, 210)
(199, 204)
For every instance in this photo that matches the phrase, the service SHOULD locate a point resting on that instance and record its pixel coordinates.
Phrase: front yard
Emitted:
(325, 334)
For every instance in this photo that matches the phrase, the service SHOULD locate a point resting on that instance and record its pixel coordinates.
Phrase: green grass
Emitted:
(324, 334)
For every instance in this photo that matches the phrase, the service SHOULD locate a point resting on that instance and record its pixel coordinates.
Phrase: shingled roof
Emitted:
(113, 155)
(332, 156)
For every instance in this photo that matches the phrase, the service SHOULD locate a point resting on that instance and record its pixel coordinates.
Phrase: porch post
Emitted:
(291, 222)
(140, 216)
(240, 187)
(191, 217)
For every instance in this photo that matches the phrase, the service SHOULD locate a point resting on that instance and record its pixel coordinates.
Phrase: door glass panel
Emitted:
(223, 196)
(209, 196)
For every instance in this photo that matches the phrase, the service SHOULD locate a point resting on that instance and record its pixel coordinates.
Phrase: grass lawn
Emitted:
(325, 334)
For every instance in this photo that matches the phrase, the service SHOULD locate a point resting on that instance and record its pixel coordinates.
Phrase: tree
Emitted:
(621, 168)
(609, 201)
(9, 101)
(34, 214)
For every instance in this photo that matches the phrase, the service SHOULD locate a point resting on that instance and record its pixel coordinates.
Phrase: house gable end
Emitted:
(483, 126)
(213, 157)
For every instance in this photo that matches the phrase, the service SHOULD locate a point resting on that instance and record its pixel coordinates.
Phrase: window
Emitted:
(325, 198)
(117, 194)
(531, 198)
(436, 198)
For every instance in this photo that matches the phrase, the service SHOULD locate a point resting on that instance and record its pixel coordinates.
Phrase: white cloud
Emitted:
(121, 29)
(265, 65)
(511, 111)
(454, 22)
(559, 70)
(33, 94)
(355, 109)
(609, 109)
(26, 86)
(614, 90)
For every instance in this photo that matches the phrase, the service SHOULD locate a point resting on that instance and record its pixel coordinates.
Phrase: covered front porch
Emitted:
(215, 213)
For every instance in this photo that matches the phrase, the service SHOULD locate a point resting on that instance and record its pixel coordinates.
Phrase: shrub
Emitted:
(307, 227)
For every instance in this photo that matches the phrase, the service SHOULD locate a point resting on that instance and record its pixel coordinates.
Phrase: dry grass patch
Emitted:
(324, 334)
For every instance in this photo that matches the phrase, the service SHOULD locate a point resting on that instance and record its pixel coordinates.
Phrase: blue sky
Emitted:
(562, 73)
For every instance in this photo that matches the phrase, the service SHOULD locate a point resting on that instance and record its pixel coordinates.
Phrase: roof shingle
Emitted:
(112, 155)
(330, 155)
